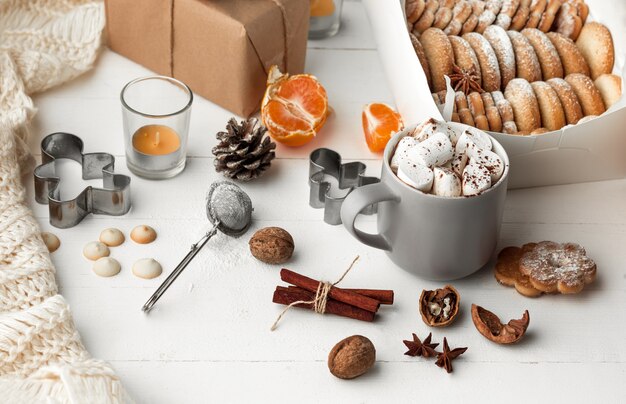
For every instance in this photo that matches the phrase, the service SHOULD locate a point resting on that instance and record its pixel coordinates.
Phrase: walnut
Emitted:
(272, 245)
(351, 357)
(439, 307)
(489, 325)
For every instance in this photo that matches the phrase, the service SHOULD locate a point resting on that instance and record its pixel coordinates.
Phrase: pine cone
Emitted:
(244, 151)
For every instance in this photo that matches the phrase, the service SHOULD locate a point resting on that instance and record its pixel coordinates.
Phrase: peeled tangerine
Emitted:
(380, 122)
(294, 108)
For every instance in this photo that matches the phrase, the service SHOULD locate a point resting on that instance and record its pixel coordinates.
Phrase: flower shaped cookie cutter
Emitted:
(113, 199)
(349, 176)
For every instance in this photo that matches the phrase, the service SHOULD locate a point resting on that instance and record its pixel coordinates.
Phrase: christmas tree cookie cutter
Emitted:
(113, 199)
(322, 194)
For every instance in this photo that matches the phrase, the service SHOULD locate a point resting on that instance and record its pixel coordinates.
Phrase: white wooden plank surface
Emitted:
(208, 340)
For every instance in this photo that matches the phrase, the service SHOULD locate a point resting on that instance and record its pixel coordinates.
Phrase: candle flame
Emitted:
(157, 138)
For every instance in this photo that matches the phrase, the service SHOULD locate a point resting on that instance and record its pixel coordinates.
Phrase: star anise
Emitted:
(419, 348)
(466, 80)
(445, 358)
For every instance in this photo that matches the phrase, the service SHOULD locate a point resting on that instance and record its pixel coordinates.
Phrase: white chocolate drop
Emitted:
(112, 237)
(51, 241)
(416, 175)
(446, 183)
(106, 266)
(476, 179)
(147, 268)
(143, 234)
(94, 250)
(435, 151)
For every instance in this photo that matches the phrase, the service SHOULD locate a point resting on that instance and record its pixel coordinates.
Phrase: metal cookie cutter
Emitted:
(349, 176)
(112, 199)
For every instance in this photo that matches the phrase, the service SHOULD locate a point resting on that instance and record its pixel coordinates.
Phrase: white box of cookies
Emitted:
(540, 75)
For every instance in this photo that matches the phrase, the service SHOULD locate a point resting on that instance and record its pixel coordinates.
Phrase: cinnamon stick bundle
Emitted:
(341, 295)
(383, 296)
(289, 295)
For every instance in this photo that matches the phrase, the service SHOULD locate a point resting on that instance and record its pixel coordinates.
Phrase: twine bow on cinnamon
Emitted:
(321, 296)
(324, 297)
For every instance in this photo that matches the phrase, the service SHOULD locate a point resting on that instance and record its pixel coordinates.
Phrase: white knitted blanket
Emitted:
(42, 43)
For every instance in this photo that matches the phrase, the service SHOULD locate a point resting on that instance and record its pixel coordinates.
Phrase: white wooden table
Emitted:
(208, 339)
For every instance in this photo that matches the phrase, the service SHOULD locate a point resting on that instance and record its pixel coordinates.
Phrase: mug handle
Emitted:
(358, 200)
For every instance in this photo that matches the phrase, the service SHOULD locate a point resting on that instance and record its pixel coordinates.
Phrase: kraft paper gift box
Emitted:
(222, 49)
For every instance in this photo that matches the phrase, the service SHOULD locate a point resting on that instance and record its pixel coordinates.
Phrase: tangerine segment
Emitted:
(294, 108)
(380, 122)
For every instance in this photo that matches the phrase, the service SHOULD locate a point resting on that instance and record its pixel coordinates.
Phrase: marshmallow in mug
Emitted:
(433, 152)
(446, 182)
(435, 159)
(432, 126)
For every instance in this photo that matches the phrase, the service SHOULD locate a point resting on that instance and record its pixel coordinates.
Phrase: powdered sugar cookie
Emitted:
(521, 16)
(588, 95)
(427, 18)
(526, 61)
(504, 107)
(478, 6)
(503, 48)
(549, 58)
(464, 55)
(610, 87)
(569, 101)
(470, 24)
(492, 113)
(481, 122)
(510, 128)
(443, 16)
(537, 7)
(549, 15)
(596, 44)
(507, 270)
(571, 57)
(51, 241)
(414, 10)
(508, 10)
(489, 68)
(476, 105)
(460, 100)
(553, 267)
(552, 114)
(419, 51)
(460, 13)
(488, 16)
(466, 117)
(520, 94)
(440, 56)
(567, 21)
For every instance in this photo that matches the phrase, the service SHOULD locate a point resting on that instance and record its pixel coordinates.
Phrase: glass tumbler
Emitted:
(155, 113)
(325, 18)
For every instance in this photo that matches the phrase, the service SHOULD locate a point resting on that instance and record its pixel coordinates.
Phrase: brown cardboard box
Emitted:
(222, 49)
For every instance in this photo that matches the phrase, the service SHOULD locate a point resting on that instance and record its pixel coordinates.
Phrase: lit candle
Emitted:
(322, 8)
(156, 140)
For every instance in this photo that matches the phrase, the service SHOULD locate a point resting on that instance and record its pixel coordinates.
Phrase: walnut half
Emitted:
(439, 307)
(489, 325)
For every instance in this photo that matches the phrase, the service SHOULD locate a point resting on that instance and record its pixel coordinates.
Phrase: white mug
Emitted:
(433, 237)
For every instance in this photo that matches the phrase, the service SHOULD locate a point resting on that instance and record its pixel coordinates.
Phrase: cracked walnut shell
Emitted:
(439, 307)
(489, 325)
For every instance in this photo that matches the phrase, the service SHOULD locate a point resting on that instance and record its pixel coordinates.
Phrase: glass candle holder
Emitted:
(325, 18)
(155, 113)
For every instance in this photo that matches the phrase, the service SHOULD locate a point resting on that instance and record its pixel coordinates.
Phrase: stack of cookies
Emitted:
(458, 17)
(521, 82)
